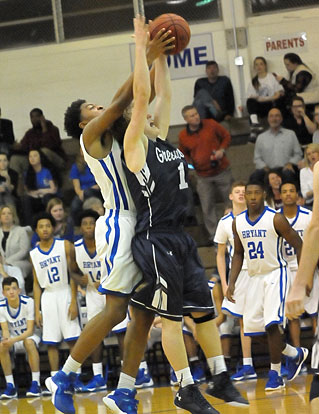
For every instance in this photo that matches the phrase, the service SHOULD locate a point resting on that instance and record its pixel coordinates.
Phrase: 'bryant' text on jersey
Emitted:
(49, 261)
(18, 323)
(90, 265)
(167, 155)
(253, 233)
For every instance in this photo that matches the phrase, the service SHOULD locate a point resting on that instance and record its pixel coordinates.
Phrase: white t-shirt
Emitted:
(268, 87)
(306, 182)
(315, 137)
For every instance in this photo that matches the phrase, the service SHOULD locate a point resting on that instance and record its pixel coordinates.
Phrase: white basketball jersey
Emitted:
(261, 242)
(88, 264)
(110, 177)
(300, 224)
(224, 235)
(17, 318)
(51, 266)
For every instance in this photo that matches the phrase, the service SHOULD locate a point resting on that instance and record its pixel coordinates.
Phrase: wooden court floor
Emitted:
(293, 399)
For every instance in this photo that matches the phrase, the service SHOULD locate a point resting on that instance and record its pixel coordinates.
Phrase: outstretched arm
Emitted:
(135, 142)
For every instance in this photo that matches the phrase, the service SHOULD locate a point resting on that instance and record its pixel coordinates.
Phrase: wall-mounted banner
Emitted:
(191, 61)
(285, 43)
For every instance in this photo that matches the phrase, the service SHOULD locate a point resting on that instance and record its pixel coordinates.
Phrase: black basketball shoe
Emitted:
(222, 387)
(189, 398)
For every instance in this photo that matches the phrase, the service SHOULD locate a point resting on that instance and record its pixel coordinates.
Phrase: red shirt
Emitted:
(197, 146)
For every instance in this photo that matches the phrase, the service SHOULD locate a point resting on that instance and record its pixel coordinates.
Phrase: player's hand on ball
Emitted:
(295, 302)
(160, 44)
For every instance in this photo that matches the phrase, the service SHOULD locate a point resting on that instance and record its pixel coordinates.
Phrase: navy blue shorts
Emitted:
(174, 281)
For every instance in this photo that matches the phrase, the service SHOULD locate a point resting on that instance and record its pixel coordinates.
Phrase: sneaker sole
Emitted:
(305, 355)
(8, 397)
(245, 377)
(145, 384)
(276, 389)
(111, 404)
(31, 394)
(96, 389)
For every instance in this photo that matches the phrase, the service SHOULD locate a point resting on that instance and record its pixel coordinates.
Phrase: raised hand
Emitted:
(160, 44)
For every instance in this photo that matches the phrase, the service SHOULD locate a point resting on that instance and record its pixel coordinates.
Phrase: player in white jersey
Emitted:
(258, 233)
(55, 296)
(225, 240)
(299, 218)
(17, 324)
(99, 126)
(303, 283)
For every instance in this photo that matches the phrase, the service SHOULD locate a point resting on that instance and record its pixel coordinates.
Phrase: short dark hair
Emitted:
(86, 213)
(289, 181)
(187, 108)
(256, 182)
(38, 110)
(7, 281)
(72, 118)
(42, 216)
(211, 62)
(297, 98)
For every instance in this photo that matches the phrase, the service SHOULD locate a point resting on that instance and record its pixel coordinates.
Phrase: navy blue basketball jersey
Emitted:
(159, 190)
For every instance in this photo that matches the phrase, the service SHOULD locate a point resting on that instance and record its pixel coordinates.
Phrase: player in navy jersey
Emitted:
(17, 324)
(174, 281)
(97, 128)
(258, 233)
(303, 283)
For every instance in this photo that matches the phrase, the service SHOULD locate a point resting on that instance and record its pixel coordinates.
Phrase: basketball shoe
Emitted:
(246, 372)
(222, 387)
(9, 393)
(34, 390)
(295, 364)
(190, 398)
(121, 401)
(61, 387)
(143, 379)
(97, 383)
(275, 382)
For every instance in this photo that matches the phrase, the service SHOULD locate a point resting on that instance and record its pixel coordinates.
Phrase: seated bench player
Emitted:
(17, 324)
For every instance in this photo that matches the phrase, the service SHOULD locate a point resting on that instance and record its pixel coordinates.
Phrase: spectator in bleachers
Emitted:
(213, 95)
(42, 136)
(299, 122)
(276, 148)
(6, 135)
(204, 142)
(315, 137)
(11, 271)
(14, 240)
(64, 225)
(273, 180)
(94, 203)
(40, 185)
(301, 80)
(84, 184)
(306, 173)
(17, 324)
(8, 181)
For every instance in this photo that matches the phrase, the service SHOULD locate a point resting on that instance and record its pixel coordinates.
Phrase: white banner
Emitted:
(285, 43)
(191, 61)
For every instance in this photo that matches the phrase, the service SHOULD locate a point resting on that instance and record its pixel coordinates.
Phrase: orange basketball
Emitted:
(178, 26)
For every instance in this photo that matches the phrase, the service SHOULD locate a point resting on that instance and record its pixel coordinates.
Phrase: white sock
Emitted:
(36, 377)
(53, 373)
(276, 367)
(71, 365)
(248, 361)
(254, 118)
(9, 379)
(194, 358)
(184, 377)
(290, 351)
(97, 368)
(79, 371)
(125, 381)
(143, 364)
(216, 364)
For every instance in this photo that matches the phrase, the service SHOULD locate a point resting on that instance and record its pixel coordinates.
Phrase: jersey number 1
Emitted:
(182, 180)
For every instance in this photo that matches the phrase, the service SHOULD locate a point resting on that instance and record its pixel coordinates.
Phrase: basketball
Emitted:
(178, 26)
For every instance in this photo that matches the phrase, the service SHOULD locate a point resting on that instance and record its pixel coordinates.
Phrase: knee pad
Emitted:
(314, 390)
(204, 318)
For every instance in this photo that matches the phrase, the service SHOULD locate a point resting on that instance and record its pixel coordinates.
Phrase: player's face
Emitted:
(34, 158)
(6, 216)
(237, 195)
(192, 117)
(274, 180)
(88, 227)
(89, 111)
(254, 197)
(313, 156)
(11, 292)
(44, 229)
(289, 195)
(57, 212)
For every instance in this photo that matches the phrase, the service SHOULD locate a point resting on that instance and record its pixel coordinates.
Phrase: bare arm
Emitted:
(73, 268)
(134, 140)
(221, 265)
(309, 257)
(37, 299)
(237, 263)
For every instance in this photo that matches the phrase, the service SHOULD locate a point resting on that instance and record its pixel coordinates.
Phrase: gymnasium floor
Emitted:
(293, 399)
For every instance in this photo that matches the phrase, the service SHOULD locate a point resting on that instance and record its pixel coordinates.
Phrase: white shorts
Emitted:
(57, 324)
(265, 301)
(113, 235)
(228, 328)
(311, 302)
(95, 304)
(241, 288)
(19, 348)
